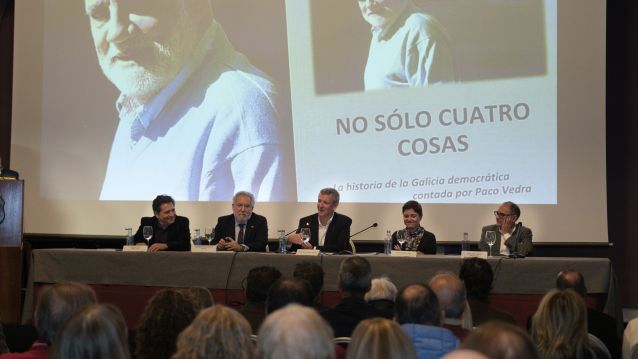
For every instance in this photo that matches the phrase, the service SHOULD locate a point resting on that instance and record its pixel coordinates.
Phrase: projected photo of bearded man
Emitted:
(190, 105)
(409, 48)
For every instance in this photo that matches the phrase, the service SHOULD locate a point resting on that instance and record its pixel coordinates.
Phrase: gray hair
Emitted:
(382, 288)
(247, 194)
(451, 293)
(330, 191)
(310, 339)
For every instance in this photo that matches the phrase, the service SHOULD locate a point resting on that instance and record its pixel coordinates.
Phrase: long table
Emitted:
(516, 278)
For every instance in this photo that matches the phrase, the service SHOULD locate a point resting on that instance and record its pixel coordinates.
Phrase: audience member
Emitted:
(464, 354)
(289, 290)
(258, 282)
(630, 340)
(167, 313)
(313, 273)
(95, 332)
(380, 338)
(477, 275)
(450, 291)
(3, 340)
(419, 313)
(559, 327)
(295, 332)
(599, 324)
(501, 340)
(381, 296)
(217, 332)
(55, 305)
(202, 296)
(353, 281)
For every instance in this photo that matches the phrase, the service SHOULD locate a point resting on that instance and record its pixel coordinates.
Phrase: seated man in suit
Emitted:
(243, 230)
(170, 231)
(511, 237)
(329, 230)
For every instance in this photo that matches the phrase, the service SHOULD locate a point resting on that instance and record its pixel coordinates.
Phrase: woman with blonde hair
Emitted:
(559, 327)
(380, 338)
(216, 332)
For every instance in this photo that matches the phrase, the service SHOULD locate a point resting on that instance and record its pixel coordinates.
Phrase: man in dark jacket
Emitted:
(170, 232)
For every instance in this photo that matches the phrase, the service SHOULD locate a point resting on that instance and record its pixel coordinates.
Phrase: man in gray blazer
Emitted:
(512, 238)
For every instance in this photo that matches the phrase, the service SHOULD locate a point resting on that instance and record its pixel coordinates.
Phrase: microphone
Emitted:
(375, 224)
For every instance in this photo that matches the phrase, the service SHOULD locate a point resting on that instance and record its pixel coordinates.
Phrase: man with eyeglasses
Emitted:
(243, 230)
(512, 238)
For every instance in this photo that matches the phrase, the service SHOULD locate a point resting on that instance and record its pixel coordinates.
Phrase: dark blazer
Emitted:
(427, 244)
(520, 242)
(179, 234)
(255, 232)
(337, 235)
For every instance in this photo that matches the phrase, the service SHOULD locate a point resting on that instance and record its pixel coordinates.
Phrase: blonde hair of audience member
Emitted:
(464, 354)
(501, 340)
(217, 332)
(380, 338)
(202, 296)
(381, 288)
(295, 331)
(559, 326)
(96, 332)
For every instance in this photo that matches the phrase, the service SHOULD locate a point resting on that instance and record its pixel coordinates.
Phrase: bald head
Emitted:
(571, 279)
(450, 291)
(418, 304)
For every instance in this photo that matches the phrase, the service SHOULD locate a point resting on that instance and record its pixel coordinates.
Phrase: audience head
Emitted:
(259, 281)
(418, 304)
(289, 290)
(477, 275)
(464, 354)
(57, 303)
(380, 338)
(167, 313)
(571, 279)
(500, 340)
(295, 332)
(96, 331)
(559, 326)
(216, 332)
(450, 291)
(381, 288)
(202, 297)
(313, 273)
(355, 277)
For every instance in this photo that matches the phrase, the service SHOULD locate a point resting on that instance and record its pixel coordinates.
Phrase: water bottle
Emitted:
(282, 241)
(198, 238)
(130, 240)
(465, 245)
(388, 242)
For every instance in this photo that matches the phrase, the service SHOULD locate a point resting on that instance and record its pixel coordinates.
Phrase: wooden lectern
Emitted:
(11, 212)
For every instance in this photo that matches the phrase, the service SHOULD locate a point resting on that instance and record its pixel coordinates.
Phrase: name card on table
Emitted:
(308, 252)
(204, 249)
(134, 249)
(474, 254)
(411, 254)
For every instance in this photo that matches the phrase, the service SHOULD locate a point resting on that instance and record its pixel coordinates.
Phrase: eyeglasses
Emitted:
(501, 214)
(245, 206)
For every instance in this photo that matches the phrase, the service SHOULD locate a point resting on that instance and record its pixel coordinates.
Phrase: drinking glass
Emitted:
(305, 235)
(147, 232)
(401, 238)
(490, 239)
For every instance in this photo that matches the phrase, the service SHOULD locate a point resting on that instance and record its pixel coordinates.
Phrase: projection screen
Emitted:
(505, 100)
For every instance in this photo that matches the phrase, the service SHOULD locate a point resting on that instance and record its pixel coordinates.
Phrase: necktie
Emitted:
(240, 236)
